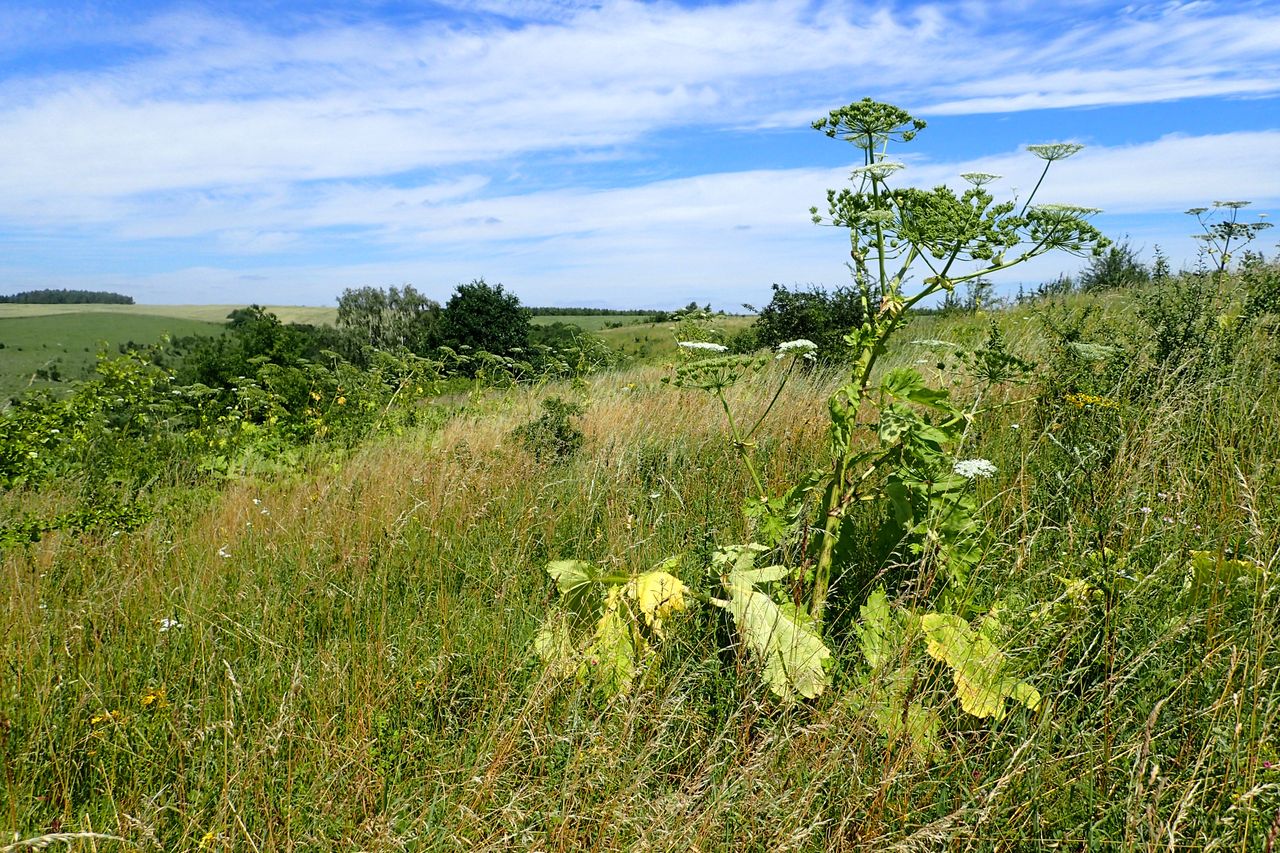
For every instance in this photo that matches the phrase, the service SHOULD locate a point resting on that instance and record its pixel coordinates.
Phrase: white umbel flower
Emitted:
(167, 625)
(704, 345)
(974, 468)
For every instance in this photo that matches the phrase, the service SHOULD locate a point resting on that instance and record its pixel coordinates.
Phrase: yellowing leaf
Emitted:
(792, 653)
(554, 645)
(877, 628)
(610, 660)
(977, 667)
(658, 595)
(1212, 574)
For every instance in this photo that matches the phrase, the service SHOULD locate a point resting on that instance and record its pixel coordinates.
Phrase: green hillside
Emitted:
(65, 344)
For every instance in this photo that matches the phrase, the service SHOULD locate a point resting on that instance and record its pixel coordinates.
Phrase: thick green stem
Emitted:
(740, 444)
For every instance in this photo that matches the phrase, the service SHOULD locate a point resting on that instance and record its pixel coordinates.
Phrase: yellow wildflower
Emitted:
(153, 697)
(1081, 401)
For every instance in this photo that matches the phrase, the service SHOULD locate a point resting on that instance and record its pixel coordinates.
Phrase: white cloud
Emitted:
(417, 139)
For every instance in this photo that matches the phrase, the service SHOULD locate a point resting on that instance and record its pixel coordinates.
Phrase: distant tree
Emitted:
(390, 319)
(1118, 267)
(68, 297)
(813, 314)
(484, 317)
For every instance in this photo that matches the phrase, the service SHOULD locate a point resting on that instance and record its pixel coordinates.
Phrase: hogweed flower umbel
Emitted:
(974, 468)
(704, 345)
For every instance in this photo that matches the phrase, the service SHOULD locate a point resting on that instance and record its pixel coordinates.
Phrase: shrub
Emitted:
(553, 435)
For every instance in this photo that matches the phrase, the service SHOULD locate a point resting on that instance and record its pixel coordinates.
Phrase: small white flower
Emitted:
(1164, 496)
(974, 468)
(256, 502)
(224, 553)
(167, 625)
(1015, 426)
(704, 345)
(1146, 510)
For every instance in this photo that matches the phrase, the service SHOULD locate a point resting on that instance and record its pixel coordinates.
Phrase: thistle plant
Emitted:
(906, 245)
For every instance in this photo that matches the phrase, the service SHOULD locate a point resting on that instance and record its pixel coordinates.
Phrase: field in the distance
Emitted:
(202, 313)
(66, 344)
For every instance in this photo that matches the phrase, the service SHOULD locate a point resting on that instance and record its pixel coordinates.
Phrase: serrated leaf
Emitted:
(658, 595)
(906, 383)
(977, 667)
(878, 630)
(610, 661)
(576, 580)
(790, 651)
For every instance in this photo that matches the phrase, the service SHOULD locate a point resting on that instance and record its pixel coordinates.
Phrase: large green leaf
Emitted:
(785, 641)
(977, 666)
(577, 581)
(906, 383)
(879, 629)
(610, 661)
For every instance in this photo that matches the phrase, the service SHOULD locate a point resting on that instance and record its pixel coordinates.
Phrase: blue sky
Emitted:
(608, 153)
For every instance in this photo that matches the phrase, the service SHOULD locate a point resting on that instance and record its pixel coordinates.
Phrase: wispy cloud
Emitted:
(288, 137)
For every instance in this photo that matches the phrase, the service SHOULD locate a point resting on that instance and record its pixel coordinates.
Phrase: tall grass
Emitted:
(353, 670)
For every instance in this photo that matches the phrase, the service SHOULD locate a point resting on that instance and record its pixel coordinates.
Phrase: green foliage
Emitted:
(553, 435)
(811, 314)
(66, 297)
(1118, 268)
(481, 316)
(391, 319)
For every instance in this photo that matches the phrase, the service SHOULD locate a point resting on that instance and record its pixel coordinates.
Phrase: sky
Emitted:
(607, 154)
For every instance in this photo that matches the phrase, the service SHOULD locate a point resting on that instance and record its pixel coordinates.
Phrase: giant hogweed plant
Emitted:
(906, 244)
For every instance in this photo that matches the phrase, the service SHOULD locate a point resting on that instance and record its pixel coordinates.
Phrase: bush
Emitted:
(482, 316)
(552, 435)
(812, 313)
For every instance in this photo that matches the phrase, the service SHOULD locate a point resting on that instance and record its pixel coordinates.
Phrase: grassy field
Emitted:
(341, 657)
(201, 313)
(653, 342)
(67, 342)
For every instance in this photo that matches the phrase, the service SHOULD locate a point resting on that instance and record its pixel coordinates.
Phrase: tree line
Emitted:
(67, 297)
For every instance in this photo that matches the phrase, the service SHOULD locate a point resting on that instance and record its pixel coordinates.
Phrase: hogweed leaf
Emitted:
(658, 595)
(878, 630)
(610, 662)
(791, 652)
(576, 580)
(977, 667)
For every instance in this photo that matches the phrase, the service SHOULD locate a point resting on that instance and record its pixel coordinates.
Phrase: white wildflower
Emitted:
(1055, 150)
(167, 625)
(974, 468)
(802, 347)
(880, 170)
(1146, 510)
(224, 553)
(704, 345)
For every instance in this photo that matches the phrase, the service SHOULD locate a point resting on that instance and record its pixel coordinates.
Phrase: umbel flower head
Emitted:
(801, 347)
(1055, 150)
(979, 179)
(974, 468)
(879, 170)
(704, 345)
